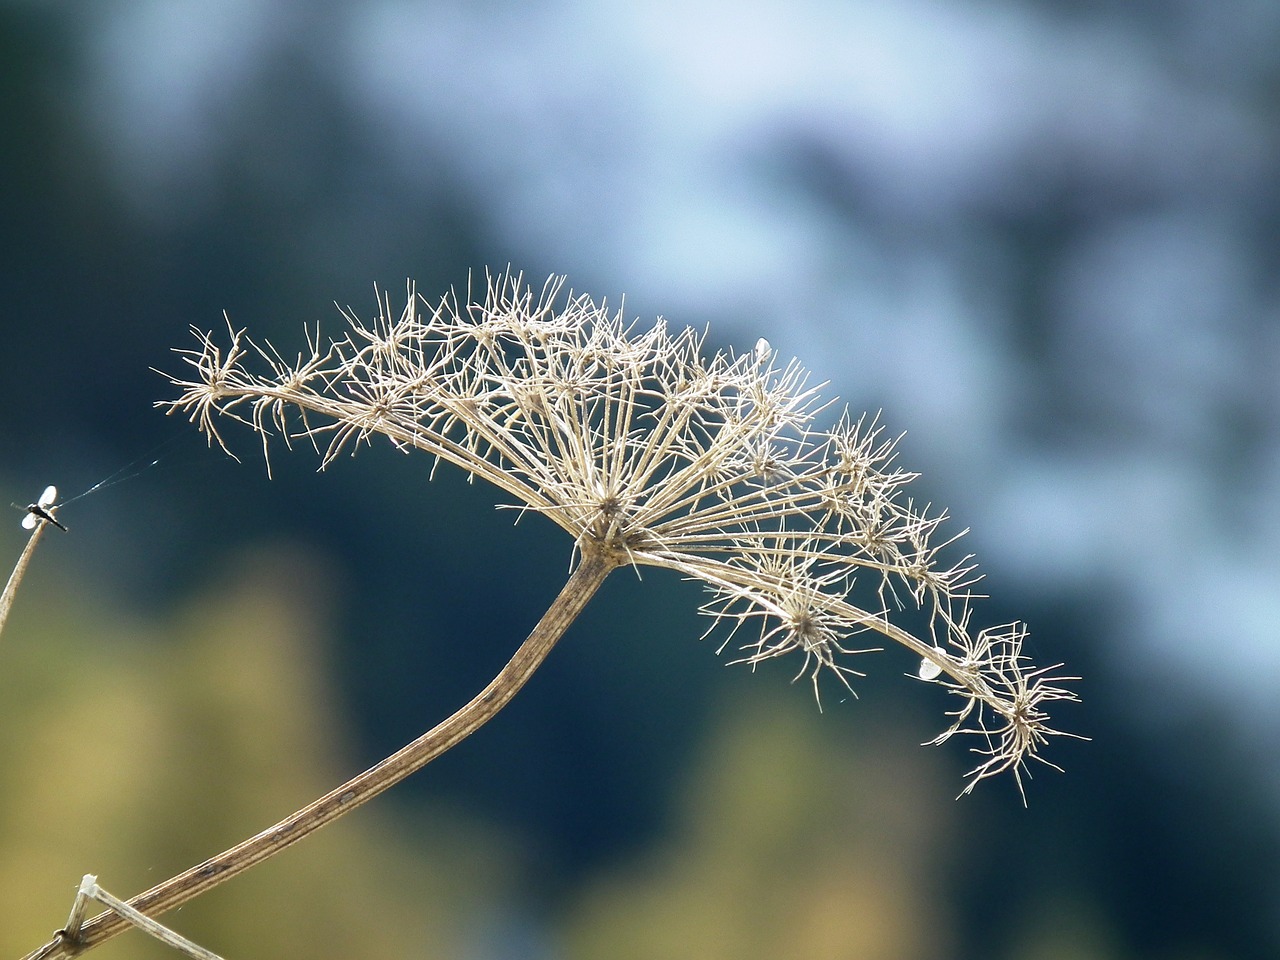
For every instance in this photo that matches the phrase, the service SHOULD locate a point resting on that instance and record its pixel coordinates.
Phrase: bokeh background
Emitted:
(1039, 235)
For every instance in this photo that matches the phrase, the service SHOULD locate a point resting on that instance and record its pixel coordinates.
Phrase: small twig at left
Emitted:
(40, 521)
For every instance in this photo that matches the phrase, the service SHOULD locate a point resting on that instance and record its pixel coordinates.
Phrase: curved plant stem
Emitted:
(582, 584)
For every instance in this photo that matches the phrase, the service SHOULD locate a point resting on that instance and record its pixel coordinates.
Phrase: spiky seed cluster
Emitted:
(648, 451)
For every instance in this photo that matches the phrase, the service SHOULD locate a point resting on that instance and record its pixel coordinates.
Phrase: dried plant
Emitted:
(647, 452)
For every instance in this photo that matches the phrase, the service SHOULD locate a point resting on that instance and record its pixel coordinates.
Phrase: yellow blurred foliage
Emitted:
(134, 750)
(791, 845)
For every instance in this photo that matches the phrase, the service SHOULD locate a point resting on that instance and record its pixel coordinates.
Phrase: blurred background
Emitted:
(1039, 235)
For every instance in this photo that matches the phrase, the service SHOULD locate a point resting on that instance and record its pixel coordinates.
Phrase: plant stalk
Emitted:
(19, 570)
(177, 890)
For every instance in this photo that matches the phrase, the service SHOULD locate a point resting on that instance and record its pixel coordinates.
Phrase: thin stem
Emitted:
(581, 586)
(89, 889)
(19, 569)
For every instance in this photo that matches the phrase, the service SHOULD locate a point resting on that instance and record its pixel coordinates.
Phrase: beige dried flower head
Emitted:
(647, 451)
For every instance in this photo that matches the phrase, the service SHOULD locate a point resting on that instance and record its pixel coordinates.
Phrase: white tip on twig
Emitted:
(928, 669)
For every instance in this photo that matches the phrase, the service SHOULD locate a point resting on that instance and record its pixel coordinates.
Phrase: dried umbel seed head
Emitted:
(647, 451)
